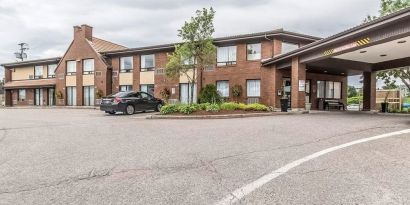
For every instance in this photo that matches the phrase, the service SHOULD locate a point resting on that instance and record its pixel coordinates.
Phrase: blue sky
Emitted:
(47, 25)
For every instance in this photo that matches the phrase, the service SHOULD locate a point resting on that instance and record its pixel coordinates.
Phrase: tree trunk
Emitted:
(191, 98)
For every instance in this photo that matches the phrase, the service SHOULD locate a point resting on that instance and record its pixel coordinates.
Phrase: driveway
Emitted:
(61, 156)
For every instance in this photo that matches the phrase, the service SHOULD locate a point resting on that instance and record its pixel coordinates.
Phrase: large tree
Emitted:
(403, 74)
(196, 51)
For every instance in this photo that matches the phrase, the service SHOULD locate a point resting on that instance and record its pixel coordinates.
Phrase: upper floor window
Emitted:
(288, 47)
(38, 72)
(126, 64)
(51, 70)
(254, 51)
(88, 66)
(226, 55)
(71, 67)
(147, 62)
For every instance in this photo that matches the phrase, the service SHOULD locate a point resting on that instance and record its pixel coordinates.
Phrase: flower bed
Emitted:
(212, 109)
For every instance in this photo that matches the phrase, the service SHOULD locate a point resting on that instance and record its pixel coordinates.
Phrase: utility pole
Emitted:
(21, 55)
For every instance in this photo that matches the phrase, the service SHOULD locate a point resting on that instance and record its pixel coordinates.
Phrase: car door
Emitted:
(152, 102)
(138, 102)
(145, 101)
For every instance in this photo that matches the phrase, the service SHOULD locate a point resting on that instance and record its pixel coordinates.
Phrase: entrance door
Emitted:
(51, 97)
(71, 96)
(288, 90)
(307, 90)
(185, 93)
(38, 100)
(88, 95)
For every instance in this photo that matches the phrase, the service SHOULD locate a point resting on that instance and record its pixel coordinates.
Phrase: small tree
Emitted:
(210, 94)
(351, 91)
(197, 50)
(389, 76)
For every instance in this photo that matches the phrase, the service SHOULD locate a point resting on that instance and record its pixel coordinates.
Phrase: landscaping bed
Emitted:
(213, 109)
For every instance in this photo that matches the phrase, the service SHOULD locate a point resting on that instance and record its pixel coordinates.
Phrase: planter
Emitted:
(308, 106)
(284, 105)
(385, 107)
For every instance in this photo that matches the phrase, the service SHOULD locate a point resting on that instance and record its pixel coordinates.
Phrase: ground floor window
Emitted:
(88, 92)
(253, 88)
(51, 96)
(148, 88)
(125, 88)
(22, 95)
(71, 96)
(223, 88)
(185, 93)
(329, 89)
(38, 96)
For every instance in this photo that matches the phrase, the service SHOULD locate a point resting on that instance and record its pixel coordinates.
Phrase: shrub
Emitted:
(165, 94)
(169, 109)
(242, 106)
(186, 109)
(212, 108)
(201, 106)
(256, 107)
(229, 106)
(209, 94)
(354, 100)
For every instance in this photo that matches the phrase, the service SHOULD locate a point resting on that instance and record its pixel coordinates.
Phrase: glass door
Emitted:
(71, 96)
(307, 90)
(38, 100)
(288, 90)
(51, 97)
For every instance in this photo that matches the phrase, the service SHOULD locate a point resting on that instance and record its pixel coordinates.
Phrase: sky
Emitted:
(47, 25)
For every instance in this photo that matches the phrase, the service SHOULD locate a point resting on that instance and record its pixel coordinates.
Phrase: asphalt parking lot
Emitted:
(62, 156)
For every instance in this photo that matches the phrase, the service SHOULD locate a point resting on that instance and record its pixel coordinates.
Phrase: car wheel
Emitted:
(158, 107)
(129, 110)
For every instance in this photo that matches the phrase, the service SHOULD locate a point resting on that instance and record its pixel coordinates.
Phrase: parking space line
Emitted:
(240, 193)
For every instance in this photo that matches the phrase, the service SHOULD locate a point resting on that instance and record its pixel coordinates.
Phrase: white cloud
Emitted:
(47, 25)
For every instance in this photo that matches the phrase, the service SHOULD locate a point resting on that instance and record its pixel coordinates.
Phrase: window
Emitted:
(38, 72)
(185, 93)
(189, 61)
(88, 95)
(88, 66)
(51, 96)
(22, 94)
(329, 89)
(125, 88)
(288, 47)
(71, 67)
(51, 69)
(126, 64)
(226, 56)
(253, 88)
(147, 62)
(223, 88)
(254, 51)
(320, 89)
(148, 88)
(71, 96)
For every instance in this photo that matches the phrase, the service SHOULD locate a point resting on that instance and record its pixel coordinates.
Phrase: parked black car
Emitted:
(130, 102)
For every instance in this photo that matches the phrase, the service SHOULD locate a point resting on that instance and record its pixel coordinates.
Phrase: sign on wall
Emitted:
(302, 85)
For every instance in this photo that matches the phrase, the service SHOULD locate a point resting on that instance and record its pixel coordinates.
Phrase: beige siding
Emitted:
(125, 79)
(147, 77)
(183, 78)
(70, 80)
(45, 73)
(22, 73)
(88, 80)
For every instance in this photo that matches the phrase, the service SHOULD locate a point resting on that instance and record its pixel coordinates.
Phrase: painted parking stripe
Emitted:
(240, 193)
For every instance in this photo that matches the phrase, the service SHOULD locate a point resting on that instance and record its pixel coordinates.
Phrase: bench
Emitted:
(328, 104)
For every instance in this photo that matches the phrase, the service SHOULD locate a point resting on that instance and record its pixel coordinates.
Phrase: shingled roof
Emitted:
(101, 45)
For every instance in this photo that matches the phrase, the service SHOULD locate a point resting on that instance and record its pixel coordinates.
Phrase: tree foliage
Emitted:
(351, 91)
(403, 74)
(196, 51)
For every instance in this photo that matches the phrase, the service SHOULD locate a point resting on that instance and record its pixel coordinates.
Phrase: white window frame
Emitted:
(144, 67)
(253, 51)
(123, 65)
(51, 70)
(71, 67)
(125, 88)
(37, 74)
(223, 88)
(252, 91)
(88, 66)
(226, 55)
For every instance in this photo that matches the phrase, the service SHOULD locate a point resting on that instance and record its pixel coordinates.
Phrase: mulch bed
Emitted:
(221, 112)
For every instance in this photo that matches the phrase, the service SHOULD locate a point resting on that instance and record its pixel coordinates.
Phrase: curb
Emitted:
(230, 116)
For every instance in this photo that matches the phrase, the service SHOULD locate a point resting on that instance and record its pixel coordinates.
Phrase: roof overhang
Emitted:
(31, 62)
(49, 82)
(383, 30)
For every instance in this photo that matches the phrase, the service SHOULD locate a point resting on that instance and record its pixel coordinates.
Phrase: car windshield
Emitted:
(120, 94)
